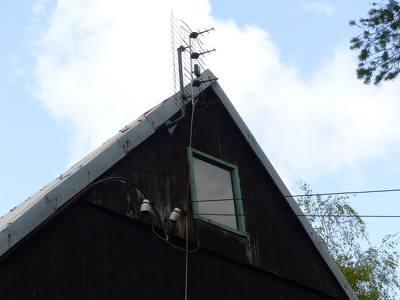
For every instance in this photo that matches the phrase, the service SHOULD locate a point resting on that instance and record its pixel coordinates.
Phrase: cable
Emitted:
(166, 235)
(297, 215)
(295, 196)
(346, 193)
(121, 179)
(187, 190)
(186, 255)
(182, 249)
(166, 239)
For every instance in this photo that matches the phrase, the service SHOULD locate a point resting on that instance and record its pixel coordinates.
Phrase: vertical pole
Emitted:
(180, 50)
(180, 67)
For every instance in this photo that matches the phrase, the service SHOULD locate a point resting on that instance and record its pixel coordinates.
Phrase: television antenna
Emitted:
(187, 61)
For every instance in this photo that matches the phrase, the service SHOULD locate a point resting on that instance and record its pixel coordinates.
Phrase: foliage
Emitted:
(379, 44)
(371, 272)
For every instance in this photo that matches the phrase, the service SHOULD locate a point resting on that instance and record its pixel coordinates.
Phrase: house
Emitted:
(102, 230)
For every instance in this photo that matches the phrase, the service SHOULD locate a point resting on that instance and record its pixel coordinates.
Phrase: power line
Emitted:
(261, 197)
(275, 196)
(346, 193)
(296, 215)
(294, 196)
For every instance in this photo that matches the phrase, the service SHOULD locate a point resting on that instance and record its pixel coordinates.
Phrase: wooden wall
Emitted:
(100, 247)
(91, 253)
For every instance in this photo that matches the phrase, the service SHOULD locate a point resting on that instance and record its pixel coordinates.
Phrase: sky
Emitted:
(72, 73)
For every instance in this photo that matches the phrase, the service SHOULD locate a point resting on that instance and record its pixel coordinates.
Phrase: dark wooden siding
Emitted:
(120, 258)
(101, 248)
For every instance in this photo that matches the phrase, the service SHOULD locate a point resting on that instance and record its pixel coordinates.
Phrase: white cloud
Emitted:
(18, 68)
(328, 122)
(321, 7)
(99, 65)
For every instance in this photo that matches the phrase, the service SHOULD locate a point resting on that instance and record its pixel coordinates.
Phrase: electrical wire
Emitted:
(166, 235)
(166, 239)
(186, 255)
(121, 179)
(186, 250)
(296, 195)
(296, 215)
(187, 189)
(346, 193)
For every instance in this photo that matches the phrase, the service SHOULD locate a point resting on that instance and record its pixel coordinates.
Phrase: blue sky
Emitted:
(73, 73)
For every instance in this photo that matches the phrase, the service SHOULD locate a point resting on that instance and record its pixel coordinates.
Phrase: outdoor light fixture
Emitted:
(176, 213)
(145, 207)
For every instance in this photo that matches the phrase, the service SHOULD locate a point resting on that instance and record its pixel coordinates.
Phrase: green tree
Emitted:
(379, 43)
(370, 270)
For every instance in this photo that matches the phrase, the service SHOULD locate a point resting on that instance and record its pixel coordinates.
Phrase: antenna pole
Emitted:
(180, 50)
(180, 67)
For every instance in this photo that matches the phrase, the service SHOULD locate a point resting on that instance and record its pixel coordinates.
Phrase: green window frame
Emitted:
(215, 191)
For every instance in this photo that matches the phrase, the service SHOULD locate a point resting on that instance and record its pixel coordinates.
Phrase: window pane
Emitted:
(214, 183)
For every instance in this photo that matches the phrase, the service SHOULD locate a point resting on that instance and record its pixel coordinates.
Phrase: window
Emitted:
(215, 190)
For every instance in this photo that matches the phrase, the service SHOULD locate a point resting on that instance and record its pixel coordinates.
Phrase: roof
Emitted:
(27, 216)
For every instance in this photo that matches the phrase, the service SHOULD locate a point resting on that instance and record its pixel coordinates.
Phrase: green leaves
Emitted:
(379, 43)
(370, 270)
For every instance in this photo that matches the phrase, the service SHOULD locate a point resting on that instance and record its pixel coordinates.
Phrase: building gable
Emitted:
(149, 159)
